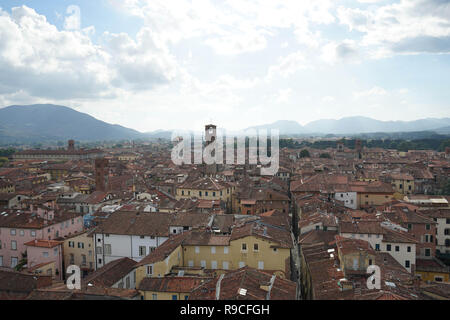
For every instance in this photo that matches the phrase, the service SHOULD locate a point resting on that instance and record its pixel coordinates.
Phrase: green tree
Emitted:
(304, 154)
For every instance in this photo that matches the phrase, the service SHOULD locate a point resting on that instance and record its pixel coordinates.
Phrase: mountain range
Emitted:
(355, 125)
(46, 122)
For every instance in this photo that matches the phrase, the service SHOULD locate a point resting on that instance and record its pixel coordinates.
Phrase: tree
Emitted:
(304, 154)
(325, 155)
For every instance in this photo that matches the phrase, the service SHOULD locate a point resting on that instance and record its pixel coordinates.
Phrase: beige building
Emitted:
(78, 250)
(199, 252)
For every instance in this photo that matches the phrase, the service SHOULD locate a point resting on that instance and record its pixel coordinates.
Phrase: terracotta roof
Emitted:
(246, 284)
(171, 284)
(43, 243)
(110, 273)
(165, 249)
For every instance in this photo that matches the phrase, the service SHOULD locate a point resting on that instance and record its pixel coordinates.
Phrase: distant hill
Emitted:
(46, 122)
(159, 134)
(357, 125)
(352, 125)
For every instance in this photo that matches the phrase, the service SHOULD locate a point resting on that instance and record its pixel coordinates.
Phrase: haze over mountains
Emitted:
(46, 122)
(355, 125)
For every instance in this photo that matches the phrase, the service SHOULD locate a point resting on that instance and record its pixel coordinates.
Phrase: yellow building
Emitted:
(7, 187)
(44, 269)
(355, 255)
(403, 183)
(128, 157)
(432, 270)
(372, 193)
(206, 189)
(79, 250)
(169, 288)
(251, 244)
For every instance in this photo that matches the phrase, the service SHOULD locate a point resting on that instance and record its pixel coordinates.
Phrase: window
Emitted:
(22, 233)
(438, 279)
(241, 264)
(203, 264)
(83, 259)
(261, 265)
(409, 226)
(213, 264)
(127, 282)
(13, 232)
(45, 254)
(377, 247)
(174, 297)
(388, 247)
(81, 245)
(142, 237)
(197, 249)
(149, 270)
(72, 259)
(427, 252)
(99, 250)
(213, 250)
(407, 263)
(142, 251)
(225, 265)
(1, 261)
(255, 247)
(447, 232)
(206, 193)
(191, 263)
(427, 227)
(214, 194)
(154, 296)
(99, 261)
(244, 247)
(107, 249)
(14, 261)
(397, 248)
(408, 249)
(13, 245)
(225, 250)
(33, 233)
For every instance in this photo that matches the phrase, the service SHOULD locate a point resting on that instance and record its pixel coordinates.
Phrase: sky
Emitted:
(159, 64)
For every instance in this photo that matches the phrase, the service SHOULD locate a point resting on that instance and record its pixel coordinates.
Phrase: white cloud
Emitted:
(232, 26)
(345, 51)
(288, 65)
(45, 62)
(374, 92)
(73, 20)
(405, 27)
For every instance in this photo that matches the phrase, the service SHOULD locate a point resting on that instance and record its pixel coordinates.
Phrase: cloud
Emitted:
(345, 51)
(73, 21)
(374, 92)
(288, 65)
(405, 27)
(62, 64)
(233, 26)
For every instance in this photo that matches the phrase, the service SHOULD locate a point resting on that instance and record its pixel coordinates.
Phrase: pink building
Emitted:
(19, 227)
(40, 252)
